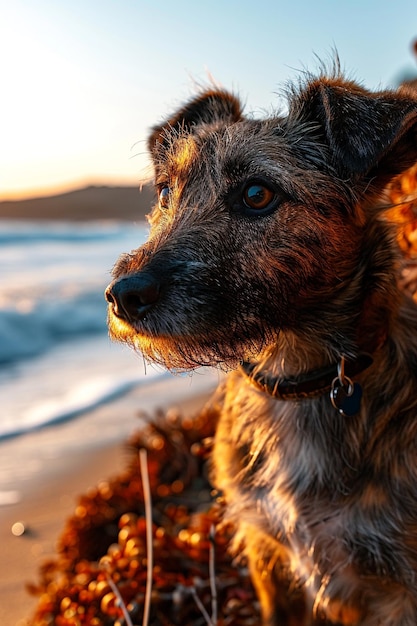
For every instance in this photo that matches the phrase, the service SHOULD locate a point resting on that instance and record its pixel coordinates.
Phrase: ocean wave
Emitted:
(30, 233)
(53, 278)
(29, 333)
(56, 359)
(76, 401)
(70, 380)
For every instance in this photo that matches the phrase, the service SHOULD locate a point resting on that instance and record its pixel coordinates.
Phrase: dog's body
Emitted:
(269, 247)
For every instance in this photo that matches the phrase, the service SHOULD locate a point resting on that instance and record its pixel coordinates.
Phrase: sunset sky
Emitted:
(83, 80)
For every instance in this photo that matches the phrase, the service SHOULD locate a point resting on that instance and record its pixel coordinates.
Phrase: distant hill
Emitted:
(95, 202)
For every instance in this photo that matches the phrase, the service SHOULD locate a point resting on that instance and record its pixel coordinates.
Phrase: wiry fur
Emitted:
(325, 505)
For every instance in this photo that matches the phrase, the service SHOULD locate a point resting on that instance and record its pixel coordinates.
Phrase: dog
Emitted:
(270, 255)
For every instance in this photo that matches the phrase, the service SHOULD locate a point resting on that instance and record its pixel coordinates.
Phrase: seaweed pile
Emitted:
(100, 571)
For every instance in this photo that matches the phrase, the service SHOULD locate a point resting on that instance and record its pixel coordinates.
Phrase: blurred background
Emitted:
(82, 83)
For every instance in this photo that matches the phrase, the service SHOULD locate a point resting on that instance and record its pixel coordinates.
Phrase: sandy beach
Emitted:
(46, 482)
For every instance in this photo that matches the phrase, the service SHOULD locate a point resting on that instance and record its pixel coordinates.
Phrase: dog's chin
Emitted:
(184, 352)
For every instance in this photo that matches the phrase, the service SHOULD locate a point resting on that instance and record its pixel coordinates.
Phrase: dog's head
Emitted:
(262, 226)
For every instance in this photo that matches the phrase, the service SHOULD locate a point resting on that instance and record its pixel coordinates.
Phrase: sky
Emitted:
(83, 81)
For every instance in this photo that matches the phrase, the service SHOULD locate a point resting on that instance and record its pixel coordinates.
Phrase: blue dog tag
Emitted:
(346, 401)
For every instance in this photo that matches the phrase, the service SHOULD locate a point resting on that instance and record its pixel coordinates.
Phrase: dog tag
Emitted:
(346, 401)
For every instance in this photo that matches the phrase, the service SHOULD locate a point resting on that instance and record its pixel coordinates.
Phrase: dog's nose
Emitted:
(131, 297)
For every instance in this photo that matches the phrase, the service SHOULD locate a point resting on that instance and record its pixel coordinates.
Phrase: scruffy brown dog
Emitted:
(269, 253)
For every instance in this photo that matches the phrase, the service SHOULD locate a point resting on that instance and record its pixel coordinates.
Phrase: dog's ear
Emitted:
(210, 107)
(368, 134)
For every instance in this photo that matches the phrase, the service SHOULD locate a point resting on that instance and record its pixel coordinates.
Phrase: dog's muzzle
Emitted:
(132, 297)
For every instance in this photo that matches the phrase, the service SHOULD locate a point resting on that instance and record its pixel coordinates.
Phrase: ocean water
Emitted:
(56, 359)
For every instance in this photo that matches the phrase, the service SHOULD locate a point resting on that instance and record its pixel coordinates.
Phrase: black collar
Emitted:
(308, 385)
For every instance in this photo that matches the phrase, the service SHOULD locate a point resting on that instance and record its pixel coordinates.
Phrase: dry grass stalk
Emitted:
(212, 574)
(143, 460)
(120, 600)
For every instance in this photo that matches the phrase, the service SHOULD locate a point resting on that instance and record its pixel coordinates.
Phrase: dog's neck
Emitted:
(298, 368)
(304, 363)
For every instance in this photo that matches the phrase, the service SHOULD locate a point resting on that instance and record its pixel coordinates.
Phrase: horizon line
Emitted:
(16, 195)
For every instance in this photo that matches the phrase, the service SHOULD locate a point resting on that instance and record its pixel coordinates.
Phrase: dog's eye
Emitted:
(257, 196)
(163, 196)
